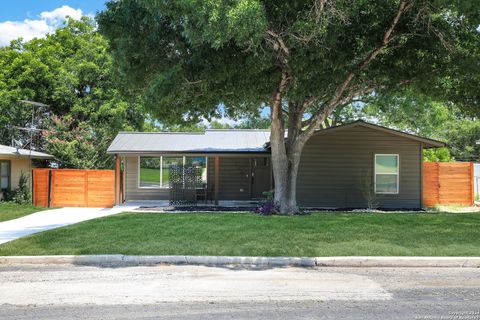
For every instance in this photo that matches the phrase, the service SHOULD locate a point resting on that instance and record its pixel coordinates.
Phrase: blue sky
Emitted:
(19, 10)
(35, 18)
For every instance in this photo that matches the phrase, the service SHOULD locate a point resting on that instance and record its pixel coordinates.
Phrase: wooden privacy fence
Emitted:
(446, 183)
(73, 188)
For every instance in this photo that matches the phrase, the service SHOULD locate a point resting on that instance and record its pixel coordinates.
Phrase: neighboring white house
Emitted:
(14, 162)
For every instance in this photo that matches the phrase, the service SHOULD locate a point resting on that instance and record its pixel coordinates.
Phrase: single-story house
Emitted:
(340, 167)
(14, 162)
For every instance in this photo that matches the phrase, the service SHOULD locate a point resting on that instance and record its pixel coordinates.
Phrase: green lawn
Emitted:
(9, 211)
(331, 234)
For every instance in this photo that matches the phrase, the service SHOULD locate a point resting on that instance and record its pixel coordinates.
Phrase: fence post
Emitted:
(472, 175)
(49, 197)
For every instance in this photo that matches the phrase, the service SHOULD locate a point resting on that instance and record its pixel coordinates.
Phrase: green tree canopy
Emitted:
(70, 70)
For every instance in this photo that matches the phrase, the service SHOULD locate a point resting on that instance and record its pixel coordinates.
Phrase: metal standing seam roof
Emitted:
(204, 142)
(226, 140)
(14, 152)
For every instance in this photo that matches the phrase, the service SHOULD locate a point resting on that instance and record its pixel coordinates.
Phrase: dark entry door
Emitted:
(261, 176)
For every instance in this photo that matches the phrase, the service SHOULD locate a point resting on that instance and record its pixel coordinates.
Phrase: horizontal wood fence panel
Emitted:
(101, 188)
(40, 187)
(448, 183)
(74, 187)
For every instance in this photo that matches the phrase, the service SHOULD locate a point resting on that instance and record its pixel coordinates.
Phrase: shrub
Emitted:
(268, 206)
(21, 194)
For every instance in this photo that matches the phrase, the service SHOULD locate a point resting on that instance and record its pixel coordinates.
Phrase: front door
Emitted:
(261, 177)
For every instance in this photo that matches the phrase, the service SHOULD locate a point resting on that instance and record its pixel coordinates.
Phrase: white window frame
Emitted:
(396, 173)
(161, 168)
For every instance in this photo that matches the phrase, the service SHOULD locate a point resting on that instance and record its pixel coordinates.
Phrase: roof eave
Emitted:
(112, 152)
(16, 155)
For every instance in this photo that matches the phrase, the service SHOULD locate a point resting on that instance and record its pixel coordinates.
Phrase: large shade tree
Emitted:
(70, 71)
(302, 59)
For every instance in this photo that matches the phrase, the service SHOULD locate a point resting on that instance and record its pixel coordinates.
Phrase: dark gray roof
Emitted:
(14, 152)
(210, 141)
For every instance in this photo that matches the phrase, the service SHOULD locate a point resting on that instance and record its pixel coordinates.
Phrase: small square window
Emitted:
(387, 173)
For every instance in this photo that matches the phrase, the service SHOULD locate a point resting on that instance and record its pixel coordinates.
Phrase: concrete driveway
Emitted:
(51, 219)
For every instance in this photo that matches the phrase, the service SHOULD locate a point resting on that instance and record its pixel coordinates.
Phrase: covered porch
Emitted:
(229, 180)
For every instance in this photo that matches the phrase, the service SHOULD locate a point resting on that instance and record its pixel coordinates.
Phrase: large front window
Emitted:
(154, 172)
(386, 173)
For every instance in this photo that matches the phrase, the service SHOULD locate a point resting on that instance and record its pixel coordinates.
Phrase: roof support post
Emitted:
(217, 179)
(117, 180)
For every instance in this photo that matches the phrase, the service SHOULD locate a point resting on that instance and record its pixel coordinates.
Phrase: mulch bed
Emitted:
(196, 209)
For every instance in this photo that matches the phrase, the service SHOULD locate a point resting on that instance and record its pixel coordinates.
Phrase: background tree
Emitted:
(71, 71)
(302, 59)
(422, 115)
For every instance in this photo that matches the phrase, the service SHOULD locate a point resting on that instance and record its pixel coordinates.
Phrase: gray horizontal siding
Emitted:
(333, 171)
(335, 167)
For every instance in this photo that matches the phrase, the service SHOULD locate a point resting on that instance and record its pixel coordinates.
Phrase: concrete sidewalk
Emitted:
(51, 219)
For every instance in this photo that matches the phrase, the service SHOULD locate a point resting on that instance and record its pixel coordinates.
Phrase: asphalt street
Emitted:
(195, 292)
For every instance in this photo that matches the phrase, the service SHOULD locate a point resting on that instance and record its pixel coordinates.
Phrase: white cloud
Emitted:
(36, 28)
(57, 16)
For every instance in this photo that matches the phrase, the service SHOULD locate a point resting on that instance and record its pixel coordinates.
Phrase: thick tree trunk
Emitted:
(286, 153)
(279, 158)
(285, 163)
(281, 173)
(287, 198)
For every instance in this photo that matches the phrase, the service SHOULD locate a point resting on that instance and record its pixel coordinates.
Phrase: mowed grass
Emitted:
(247, 234)
(9, 211)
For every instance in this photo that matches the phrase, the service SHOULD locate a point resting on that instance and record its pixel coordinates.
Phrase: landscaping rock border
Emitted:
(118, 260)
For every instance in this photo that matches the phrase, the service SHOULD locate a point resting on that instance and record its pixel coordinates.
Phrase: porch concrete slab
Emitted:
(51, 219)
(146, 203)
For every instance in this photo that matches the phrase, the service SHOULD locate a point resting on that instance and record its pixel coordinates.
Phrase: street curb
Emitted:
(118, 260)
